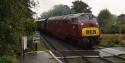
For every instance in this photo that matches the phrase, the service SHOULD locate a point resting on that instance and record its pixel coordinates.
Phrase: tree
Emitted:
(58, 10)
(107, 21)
(121, 22)
(15, 20)
(121, 18)
(79, 7)
(103, 16)
(111, 25)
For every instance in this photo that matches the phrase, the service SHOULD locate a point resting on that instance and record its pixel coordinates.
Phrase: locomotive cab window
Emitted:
(87, 17)
(74, 20)
(92, 18)
(83, 18)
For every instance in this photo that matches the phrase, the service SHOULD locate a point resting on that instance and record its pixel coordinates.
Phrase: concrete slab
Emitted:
(110, 51)
(120, 48)
(38, 57)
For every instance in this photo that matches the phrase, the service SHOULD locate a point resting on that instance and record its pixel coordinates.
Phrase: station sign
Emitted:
(36, 38)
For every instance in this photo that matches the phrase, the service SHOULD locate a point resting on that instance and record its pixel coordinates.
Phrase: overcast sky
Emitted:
(116, 7)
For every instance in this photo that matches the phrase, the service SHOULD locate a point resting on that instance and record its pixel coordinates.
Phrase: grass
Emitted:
(109, 43)
(8, 59)
(41, 46)
(111, 40)
(109, 36)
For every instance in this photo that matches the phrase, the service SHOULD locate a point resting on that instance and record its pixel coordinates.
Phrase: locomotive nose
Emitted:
(92, 24)
(89, 24)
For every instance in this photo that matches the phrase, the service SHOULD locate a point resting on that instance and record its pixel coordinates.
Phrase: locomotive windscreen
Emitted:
(87, 17)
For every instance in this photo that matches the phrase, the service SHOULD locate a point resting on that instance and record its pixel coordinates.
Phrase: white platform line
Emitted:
(55, 57)
(78, 57)
(35, 52)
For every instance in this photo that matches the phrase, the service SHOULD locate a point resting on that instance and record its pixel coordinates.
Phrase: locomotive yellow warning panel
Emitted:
(90, 31)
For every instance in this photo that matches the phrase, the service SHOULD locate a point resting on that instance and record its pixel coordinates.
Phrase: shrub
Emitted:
(113, 42)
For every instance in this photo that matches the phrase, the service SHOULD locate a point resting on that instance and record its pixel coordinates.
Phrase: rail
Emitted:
(51, 47)
(85, 58)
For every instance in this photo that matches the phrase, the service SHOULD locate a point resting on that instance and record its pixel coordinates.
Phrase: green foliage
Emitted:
(121, 22)
(123, 28)
(8, 59)
(107, 22)
(111, 25)
(113, 42)
(30, 43)
(79, 7)
(58, 10)
(121, 19)
(15, 21)
(4, 60)
(103, 16)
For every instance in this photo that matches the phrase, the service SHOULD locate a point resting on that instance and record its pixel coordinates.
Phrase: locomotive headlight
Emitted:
(97, 24)
(82, 24)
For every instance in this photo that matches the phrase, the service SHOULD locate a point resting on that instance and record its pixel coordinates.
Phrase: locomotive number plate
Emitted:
(90, 31)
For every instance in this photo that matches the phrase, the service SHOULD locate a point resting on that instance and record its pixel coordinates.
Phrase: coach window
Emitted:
(74, 20)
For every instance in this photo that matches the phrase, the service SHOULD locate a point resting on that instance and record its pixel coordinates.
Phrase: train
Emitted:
(81, 29)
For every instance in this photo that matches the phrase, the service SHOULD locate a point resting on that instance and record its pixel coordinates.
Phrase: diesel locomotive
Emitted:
(81, 29)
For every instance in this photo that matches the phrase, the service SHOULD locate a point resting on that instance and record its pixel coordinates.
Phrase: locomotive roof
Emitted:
(68, 16)
(77, 15)
(41, 20)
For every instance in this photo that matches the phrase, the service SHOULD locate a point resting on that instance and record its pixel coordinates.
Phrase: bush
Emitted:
(8, 59)
(113, 42)
(30, 43)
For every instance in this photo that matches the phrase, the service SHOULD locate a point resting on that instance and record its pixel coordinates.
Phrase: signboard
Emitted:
(36, 37)
(24, 42)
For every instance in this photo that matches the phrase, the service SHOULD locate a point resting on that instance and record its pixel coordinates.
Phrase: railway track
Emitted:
(68, 55)
(51, 47)
(61, 53)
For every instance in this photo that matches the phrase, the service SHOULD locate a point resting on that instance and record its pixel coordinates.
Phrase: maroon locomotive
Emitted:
(81, 29)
